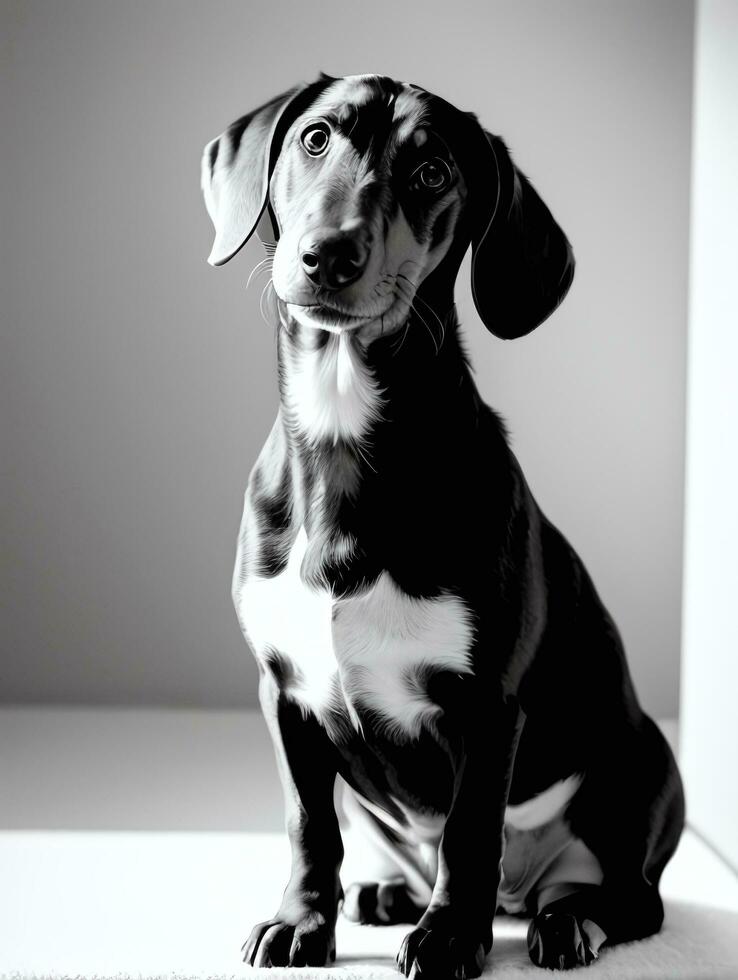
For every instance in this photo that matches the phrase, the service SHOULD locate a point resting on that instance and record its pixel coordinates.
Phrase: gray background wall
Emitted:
(138, 383)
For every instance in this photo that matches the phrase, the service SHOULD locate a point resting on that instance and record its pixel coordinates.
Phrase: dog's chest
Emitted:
(369, 655)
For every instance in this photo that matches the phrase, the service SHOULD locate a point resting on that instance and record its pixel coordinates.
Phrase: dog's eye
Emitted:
(315, 139)
(433, 175)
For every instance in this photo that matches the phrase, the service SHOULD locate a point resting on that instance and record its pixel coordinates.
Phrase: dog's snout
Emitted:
(334, 259)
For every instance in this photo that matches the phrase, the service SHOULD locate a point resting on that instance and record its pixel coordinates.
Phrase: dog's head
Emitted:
(370, 189)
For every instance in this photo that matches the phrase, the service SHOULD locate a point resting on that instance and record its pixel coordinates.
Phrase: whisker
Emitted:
(264, 266)
(396, 349)
(430, 309)
(264, 317)
(438, 319)
(404, 292)
(425, 323)
(422, 319)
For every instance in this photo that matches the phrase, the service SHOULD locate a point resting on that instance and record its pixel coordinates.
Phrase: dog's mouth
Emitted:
(327, 317)
(321, 316)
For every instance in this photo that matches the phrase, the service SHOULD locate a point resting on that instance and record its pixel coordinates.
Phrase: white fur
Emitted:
(372, 643)
(543, 807)
(425, 827)
(331, 393)
(284, 614)
(536, 812)
(384, 636)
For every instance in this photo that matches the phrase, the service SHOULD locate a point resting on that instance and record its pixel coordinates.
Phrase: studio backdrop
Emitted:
(138, 383)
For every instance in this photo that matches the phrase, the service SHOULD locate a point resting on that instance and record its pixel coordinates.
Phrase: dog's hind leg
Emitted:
(569, 931)
(630, 815)
(387, 879)
(384, 902)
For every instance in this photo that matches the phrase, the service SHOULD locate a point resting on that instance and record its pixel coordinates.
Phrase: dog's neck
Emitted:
(368, 430)
(339, 394)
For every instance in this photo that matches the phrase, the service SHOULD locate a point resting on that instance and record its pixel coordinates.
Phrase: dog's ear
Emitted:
(522, 263)
(237, 166)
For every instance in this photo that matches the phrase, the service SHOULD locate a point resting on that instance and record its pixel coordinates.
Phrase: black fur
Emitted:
(368, 125)
(441, 503)
(436, 498)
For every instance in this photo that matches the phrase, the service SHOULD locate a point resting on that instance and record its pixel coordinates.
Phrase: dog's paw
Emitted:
(380, 903)
(309, 942)
(561, 940)
(440, 954)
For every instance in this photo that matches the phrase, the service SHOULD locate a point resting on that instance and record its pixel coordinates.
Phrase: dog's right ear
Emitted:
(237, 166)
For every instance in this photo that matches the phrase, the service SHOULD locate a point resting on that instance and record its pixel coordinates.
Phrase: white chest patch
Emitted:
(330, 391)
(386, 641)
(284, 615)
(372, 650)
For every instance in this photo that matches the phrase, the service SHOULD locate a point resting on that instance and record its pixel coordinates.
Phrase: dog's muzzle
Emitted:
(333, 259)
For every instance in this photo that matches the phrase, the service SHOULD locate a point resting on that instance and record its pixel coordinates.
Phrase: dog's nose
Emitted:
(334, 259)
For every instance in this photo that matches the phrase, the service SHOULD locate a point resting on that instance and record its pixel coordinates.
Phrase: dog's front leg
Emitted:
(302, 933)
(454, 934)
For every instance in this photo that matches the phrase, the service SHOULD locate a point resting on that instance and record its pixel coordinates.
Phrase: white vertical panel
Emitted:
(709, 690)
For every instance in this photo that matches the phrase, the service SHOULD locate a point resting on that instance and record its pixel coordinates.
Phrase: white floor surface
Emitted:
(142, 901)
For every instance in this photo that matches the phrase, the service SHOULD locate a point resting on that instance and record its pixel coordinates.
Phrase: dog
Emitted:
(422, 631)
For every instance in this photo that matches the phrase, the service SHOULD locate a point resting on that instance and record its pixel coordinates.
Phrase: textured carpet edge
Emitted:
(697, 943)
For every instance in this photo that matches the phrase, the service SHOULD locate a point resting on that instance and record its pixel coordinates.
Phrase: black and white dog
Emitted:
(422, 630)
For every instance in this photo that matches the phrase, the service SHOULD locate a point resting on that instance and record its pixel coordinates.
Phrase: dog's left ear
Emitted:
(237, 166)
(522, 262)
